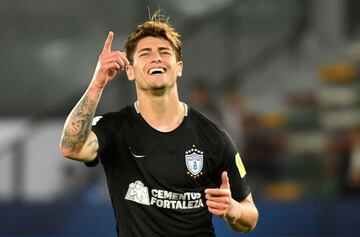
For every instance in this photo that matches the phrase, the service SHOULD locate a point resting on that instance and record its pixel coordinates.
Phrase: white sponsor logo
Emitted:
(138, 156)
(137, 192)
(135, 155)
(96, 120)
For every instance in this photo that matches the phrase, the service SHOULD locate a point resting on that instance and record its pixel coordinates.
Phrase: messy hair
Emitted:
(157, 26)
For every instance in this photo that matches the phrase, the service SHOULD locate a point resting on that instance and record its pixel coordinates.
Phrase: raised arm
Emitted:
(78, 142)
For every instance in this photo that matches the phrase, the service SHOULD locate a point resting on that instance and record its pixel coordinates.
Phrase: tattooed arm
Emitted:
(78, 141)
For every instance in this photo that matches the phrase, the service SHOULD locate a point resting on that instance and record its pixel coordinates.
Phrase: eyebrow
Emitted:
(164, 48)
(144, 49)
(149, 49)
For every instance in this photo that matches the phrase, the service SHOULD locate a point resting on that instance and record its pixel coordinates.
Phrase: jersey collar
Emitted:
(136, 106)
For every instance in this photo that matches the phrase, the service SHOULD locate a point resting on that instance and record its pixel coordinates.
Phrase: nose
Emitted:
(156, 57)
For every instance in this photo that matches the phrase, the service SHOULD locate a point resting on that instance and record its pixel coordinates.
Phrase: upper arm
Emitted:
(89, 150)
(232, 163)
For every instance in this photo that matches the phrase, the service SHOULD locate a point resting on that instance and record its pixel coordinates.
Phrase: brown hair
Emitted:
(156, 26)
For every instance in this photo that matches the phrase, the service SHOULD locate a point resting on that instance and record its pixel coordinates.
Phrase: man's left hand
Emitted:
(219, 200)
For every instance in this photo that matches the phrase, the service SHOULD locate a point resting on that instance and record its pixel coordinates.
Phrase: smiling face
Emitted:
(154, 67)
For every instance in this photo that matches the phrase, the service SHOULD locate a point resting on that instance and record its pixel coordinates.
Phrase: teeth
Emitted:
(156, 70)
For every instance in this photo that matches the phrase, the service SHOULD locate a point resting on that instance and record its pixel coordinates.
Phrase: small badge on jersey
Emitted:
(240, 165)
(194, 161)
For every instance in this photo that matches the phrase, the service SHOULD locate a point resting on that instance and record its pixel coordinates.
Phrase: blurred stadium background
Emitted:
(282, 76)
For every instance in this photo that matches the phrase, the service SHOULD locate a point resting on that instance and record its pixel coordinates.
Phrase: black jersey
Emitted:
(156, 179)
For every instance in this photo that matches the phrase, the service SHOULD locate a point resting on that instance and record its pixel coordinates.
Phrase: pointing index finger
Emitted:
(108, 42)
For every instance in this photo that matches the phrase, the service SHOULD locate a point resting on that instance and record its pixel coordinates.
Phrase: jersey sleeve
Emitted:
(235, 169)
(101, 127)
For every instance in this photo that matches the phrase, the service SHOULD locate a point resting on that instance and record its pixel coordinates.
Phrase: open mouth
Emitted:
(158, 70)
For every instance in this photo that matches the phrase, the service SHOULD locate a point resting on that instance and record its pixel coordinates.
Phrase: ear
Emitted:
(180, 66)
(130, 72)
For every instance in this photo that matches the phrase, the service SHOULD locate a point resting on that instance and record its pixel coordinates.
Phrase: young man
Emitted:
(168, 168)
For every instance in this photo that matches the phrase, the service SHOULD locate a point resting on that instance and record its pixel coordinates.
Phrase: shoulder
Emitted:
(200, 120)
(207, 126)
(125, 114)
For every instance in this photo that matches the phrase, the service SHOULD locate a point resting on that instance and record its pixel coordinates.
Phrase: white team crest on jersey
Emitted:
(194, 160)
(137, 192)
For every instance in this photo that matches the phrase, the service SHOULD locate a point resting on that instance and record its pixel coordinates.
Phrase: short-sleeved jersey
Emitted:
(156, 179)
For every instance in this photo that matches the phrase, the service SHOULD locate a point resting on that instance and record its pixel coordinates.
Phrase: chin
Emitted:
(158, 87)
(158, 91)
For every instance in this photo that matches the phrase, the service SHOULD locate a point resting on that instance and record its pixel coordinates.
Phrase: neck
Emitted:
(164, 113)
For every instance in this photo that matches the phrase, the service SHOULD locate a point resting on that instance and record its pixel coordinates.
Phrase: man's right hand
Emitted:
(108, 64)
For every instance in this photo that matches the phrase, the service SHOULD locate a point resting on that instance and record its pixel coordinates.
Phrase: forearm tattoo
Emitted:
(78, 127)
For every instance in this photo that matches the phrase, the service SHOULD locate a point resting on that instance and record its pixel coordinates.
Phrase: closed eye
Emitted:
(144, 54)
(166, 52)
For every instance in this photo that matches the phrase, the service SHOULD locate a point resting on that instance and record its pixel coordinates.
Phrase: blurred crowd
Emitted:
(295, 154)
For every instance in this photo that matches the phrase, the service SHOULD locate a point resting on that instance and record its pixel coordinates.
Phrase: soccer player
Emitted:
(168, 168)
